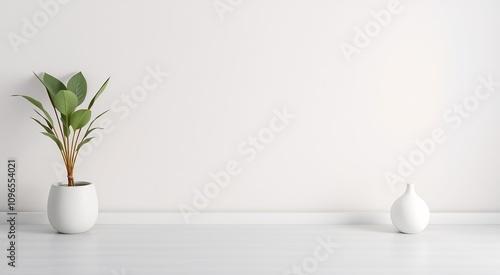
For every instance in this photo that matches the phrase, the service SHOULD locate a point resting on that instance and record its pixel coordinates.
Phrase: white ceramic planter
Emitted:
(410, 213)
(72, 209)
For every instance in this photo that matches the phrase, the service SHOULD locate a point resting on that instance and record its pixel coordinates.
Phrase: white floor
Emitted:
(255, 249)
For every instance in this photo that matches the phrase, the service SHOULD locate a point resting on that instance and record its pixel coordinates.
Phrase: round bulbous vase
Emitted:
(410, 213)
(72, 209)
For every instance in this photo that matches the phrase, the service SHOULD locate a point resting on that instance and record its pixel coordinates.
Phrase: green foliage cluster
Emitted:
(66, 128)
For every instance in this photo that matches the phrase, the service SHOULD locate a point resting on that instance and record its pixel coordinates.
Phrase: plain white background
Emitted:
(226, 75)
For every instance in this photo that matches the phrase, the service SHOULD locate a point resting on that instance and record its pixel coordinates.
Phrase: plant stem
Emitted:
(68, 160)
(69, 166)
(68, 147)
(72, 148)
(75, 143)
(71, 180)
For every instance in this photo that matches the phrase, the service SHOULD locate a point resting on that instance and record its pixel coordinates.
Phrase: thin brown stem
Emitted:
(57, 136)
(59, 123)
(71, 180)
(64, 151)
(68, 147)
(72, 146)
(75, 152)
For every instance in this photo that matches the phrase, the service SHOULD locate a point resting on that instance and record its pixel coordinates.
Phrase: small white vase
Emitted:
(410, 213)
(72, 209)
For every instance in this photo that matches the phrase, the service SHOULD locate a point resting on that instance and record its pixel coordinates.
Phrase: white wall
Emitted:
(353, 120)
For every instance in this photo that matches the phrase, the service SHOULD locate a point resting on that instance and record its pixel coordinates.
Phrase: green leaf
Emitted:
(44, 127)
(65, 125)
(98, 93)
(65, 102)
(92, 122)
(52, 84)
(78, 85)
(101, 114)
(90, 131)
(80, 118)
(54, 138)
(98, 117)
(46, 88)
(46, 120)
(38, 105)
(83, 143)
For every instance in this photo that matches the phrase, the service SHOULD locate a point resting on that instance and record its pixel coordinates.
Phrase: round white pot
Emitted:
(72, 209)
(410, 213)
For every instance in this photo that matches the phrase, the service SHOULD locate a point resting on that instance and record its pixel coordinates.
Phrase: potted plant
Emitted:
(72, 207)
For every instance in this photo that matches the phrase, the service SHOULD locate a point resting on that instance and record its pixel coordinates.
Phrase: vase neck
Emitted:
(410, 188)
